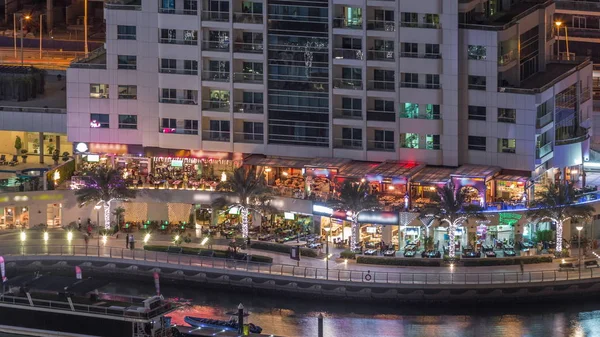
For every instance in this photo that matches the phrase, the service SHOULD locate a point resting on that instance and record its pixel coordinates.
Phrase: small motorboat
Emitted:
(232, 324)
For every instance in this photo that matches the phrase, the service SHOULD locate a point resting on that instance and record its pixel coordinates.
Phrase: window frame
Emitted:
(130, 62)
(476, 147)
(99, 119)
(126, 35)
(99, 93)
(128, 125)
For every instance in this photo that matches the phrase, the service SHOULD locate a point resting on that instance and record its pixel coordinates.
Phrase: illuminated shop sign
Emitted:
(322, 210)
(289, 216)
(380, 218)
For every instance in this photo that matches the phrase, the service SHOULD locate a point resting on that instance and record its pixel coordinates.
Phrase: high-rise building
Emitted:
(439, 82)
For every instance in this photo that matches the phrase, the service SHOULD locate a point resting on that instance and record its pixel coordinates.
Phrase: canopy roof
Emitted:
(356, 169)
(476, 171)
(258, 160)
(432, 176)
(396, 169)
(327, 162)
(48, 283)
(506, 177)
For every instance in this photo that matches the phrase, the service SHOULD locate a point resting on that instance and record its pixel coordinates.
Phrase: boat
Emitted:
(231, 325)
(47, 305)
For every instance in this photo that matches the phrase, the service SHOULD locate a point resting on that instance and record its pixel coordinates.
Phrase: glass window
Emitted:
(409, 110)
(432, 50)
(507, 115)
(410, 19)
(253, 97)
(127, 62)
(476, 52)
(384, 139)
(352, 137)
(190, 127)
(98, 90)
(168, 65)
(477, 143)
(168, 125)
(382, 105)
(99, 121)
(432, 81)
(410, 141)
(219, 130)
(410, 80)
(126, 32)
(432, 142)
(351, 107)
(410, 49)
(190, 67)
(506, 145)
(432, 111)
(477, 82)
(477, 113)
(253, 131)
(127, 91)
(168, 36)
(431, 20)
(127, 122)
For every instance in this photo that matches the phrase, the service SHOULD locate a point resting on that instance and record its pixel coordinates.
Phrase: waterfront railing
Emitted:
(445, 276)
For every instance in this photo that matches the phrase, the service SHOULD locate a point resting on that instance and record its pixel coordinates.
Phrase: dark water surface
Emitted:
(293, 317)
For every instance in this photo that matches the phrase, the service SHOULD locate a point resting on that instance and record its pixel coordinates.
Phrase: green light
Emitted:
(162, 227)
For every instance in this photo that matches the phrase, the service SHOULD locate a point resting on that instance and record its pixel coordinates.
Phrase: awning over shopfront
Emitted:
(258, 160)
(327, 163)
(356, 169)
(432, 176)
(517, 179)
(396, 171)
(476, 171)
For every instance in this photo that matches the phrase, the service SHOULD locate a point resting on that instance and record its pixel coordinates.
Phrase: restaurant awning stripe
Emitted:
(511, 178)
(479, 171)
(357, 169)
(255, 160)
(432, 175)
(396, 169)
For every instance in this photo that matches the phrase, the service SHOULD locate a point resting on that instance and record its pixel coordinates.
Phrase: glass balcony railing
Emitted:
(220, 106)
(132, 5)
(216, 76)
(540, 152)
(256, 18)
(248, 108)
(216, 136)
(345, 143)
(343, 83)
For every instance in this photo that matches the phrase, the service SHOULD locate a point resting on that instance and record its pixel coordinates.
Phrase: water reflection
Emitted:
(291, 317)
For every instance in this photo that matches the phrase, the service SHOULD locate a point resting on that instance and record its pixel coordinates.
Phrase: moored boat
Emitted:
(232, 324)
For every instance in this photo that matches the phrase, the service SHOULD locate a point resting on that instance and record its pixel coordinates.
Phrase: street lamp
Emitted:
(41, 33)
(558, 25)
(21, 17)
(97, 208)
(327, 229)
(85, 27)
(579, 228)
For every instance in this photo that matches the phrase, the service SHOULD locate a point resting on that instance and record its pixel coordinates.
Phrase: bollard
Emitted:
(320, 325)
(240, 320)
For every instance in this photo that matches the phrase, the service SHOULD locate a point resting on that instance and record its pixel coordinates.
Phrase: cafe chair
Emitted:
(14, 161)
(3, 160)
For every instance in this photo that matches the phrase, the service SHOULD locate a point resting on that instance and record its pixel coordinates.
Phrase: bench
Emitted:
(174, 250)
(566, 266)
(591, 264)
(206, 253)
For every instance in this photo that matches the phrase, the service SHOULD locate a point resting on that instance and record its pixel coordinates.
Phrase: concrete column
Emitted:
(58, 145)
(386, 234)
(41, 143)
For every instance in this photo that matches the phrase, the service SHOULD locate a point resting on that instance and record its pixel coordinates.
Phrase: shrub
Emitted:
(506, 261)
(221, 254)
(348, 254)
(280, 248)
(396, 261)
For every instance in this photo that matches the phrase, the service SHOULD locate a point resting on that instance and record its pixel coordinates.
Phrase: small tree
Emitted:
(118, 213)
(55, 157)
(18, 144)
(24, 155)
(65, 156)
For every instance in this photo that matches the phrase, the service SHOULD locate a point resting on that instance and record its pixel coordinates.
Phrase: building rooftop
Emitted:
(556, 70)
(504, 19)
(95, 60)
(54, 98)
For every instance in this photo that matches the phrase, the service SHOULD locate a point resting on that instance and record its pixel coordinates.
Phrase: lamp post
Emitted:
(558, 25)
(327, 229)
(41, 33)
(579, 228)
(97, 208)
(21, 17)
(85, 27)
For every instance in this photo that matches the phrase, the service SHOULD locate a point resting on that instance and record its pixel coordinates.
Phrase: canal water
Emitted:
(293, 317)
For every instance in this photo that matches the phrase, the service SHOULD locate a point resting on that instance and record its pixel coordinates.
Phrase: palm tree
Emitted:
(557, 204)
(102, 187)
(355, 198)
(452, 209)
(247, 188)
(118, 213)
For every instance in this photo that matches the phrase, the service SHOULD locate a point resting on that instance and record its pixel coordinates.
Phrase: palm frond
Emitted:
(558, 202)
(104, 184)
(247, 184)
(355, 197)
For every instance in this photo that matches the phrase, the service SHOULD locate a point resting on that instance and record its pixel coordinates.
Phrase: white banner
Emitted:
(2, 269)
(78, 272)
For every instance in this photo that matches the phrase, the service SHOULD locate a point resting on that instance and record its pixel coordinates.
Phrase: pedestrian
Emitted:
(87, 240)
(79, 224)
(522, 266)
(127, 241)
(131, 242)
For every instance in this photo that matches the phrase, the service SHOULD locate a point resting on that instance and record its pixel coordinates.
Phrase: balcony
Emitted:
(342, 83)
(345, 24)
(344, 143)
(347, 113)
(570, 134)
(178, 131)
(348, 54)
(507, 57)
(381, 55)
(178, 11)
(215, 46)
(250, 138)
(130, 5)
(420, 25)
(382, 26)
(243, 47)
(586, 94)
(216, 136)
(216, 76)
(215, 16)
(248, 78)
(178, 71)
(380, 145)
(419, 145)
(542, 151)
(95, 60)
(248, 108)
(254, 18)
(186, 101)
(584, 6)
(381, 85)
(189, 42)
(420, 55)
(420, 85)
(219, 106)
(381, 116)
(546, 119)
(412, 115)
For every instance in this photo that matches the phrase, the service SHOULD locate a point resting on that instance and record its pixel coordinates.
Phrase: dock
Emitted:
(188, 331)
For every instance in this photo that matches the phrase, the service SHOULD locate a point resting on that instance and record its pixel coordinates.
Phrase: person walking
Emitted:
(522, 267)
(127, 241)
(79, 224)
(131, 242)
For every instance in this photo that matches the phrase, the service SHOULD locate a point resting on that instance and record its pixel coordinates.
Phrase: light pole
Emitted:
(327, 229)
(579, 228)
(97, 208)
(558, 25)
(41, 33)
(21, 16)
(85, 27)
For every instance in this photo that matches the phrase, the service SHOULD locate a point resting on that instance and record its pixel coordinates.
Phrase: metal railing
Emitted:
(248, 18)
(381, 25)
(216, 136)
(164, 40)
(381, 85)
(420, 55)
(343, 83)
(248, 77)
(380, 145)
(217, 76)
(348, 54)
(178, 71)
(420, 85)
(345, 143)
(344, 23)
(33, 109)
(212, 105)
(381, 55)
(541, 151)
(544, 120)
(178, 11)
(245, 137)
(249, 108)
(215, 16)
(178, 100)
(382, 116)
(347, 113)
(135, 5)
(444, 277)
(424, 115)
(508, 57)
(215, 46)
(244, 47)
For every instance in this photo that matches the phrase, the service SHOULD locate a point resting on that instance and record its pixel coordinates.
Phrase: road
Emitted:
(49, 60)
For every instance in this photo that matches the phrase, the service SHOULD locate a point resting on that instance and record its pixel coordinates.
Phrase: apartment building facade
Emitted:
(438, 82)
